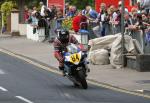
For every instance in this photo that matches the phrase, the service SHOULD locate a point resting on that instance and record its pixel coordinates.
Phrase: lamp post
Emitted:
(84, 39)
(84, 36)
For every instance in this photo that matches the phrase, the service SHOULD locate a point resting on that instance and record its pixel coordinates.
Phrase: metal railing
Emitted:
(140, 36)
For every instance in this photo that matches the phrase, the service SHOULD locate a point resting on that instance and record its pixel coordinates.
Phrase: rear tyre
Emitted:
(76, 85)
(82, 80)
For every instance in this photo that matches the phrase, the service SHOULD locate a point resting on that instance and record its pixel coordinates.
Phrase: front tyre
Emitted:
(82, 80)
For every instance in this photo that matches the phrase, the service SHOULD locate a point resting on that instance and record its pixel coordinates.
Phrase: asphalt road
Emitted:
(21, 82)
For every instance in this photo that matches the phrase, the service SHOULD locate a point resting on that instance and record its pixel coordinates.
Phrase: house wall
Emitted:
(14, 22)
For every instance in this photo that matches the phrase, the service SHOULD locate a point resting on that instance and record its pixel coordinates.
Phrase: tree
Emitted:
(81, 4)
(6, 8)
(2, 1)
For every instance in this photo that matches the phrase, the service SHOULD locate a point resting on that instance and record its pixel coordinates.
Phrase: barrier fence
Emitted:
(141, 37)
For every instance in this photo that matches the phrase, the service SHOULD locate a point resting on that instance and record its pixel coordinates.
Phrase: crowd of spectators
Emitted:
(41, 18)
(106, 21)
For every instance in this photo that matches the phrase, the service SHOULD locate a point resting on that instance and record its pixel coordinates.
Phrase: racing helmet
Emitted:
(63, 35)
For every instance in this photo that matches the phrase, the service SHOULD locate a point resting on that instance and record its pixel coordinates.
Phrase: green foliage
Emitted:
(81, 4)
(6, 8)
(1, 2)
(31, 3)
(67, 23)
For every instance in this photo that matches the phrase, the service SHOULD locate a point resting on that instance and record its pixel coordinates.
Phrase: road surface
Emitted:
(21, 82)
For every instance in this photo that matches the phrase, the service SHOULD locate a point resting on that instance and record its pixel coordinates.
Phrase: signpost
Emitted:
(58, 3)
(122, 32)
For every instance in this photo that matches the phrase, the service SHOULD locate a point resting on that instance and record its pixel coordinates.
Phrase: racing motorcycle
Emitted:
(75, 64)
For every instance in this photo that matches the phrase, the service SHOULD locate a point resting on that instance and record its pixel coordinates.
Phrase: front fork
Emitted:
(67, 69)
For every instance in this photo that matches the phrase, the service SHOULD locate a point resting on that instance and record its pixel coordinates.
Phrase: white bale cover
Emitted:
(100, 56)
(113, 43)
(116, 50)
(102, 42)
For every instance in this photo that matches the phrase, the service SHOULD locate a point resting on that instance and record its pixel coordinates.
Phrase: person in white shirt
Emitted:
(43, 7)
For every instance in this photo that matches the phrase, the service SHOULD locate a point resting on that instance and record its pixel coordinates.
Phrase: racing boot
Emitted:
(63, 72)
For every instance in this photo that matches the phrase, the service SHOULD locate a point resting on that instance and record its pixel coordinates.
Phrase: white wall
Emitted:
(14, 22)
(38, 36)
(23, 29)
(15, 26)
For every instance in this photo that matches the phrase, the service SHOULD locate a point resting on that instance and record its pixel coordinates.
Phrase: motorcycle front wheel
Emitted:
(82, 79)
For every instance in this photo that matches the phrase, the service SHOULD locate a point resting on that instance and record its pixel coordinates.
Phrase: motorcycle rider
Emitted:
(60, 44)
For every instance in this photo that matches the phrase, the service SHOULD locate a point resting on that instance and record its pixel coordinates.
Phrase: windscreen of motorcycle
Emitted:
(72, 48)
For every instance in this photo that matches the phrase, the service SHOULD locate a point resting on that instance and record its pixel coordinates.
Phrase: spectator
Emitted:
(53, 12)
(26, 14)
(30, 16)
(140, 23)
(53, 22)
(117, 19)
(59, 18)
(47, 13)
(83, 23)
(77, 22)
(128, 20)
(43, 7)
(145, 17)
(34, 22)
(71, 12)
(91, 14)
(84, 12)
(66, 8)
(41, 21)
(134, 13)
(103, 18)
(47, 23)
(111, 13)
(34, 10)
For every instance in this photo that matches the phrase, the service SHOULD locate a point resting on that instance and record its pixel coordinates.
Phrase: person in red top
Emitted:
(60, 43)
(77, 21)
(26, 14)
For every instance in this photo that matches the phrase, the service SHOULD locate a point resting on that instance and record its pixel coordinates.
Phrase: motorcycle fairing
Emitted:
(73, 58)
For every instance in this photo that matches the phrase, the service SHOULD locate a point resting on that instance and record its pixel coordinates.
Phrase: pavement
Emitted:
(124, 78)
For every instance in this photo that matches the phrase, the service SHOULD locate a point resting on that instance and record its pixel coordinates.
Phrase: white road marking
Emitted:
(3, 89)
(2, 72)
(67, 95)
(141, 90)
(24, 99)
